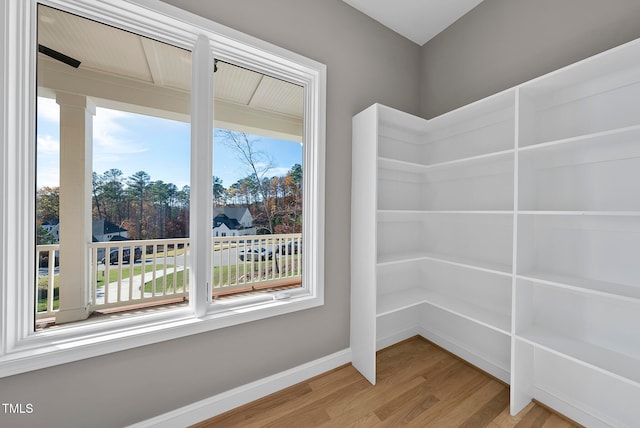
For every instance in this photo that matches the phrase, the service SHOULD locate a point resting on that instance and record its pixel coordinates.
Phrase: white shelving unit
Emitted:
(427, 197)
(508, 232)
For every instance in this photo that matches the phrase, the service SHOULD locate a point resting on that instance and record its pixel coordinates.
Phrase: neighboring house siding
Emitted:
(232, 222)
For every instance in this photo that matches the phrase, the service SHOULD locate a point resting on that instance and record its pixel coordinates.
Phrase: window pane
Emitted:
(112, 170)
(257, 183)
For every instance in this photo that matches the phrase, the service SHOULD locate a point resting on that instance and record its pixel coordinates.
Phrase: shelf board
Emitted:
(584, 285)
(496, 268)
(405, 166)
(583, 213)
(390, 215)
(399, 300)
(607, 361)
(604, 137)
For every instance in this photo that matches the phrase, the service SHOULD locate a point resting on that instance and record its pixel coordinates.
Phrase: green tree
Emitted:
(113, 195)
(97, 183)
(219, 192)
(158, 196)
(183, 197)
(48, 204)
(137, 186)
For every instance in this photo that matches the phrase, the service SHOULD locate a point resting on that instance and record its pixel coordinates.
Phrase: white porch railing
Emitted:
(132, 272)
(251, 262)
(127, 273)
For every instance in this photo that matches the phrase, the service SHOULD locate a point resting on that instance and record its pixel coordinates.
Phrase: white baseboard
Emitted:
(397, 337)
(228, 400)
(584, 416)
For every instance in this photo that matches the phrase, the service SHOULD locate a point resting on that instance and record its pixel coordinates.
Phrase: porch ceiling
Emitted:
(246, 100)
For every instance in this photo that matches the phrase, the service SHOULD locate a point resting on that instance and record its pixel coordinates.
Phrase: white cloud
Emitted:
(278, 171)
(48, 109)
(110, 137)
(47, 144)
(49, 178)
(48, 162)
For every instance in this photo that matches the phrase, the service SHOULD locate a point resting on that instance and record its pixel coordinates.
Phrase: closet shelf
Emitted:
(391, 215)
(399, 300)
(583, 213)
(621, 366)
(496, 268)
(583, 285)
(596, 138)
(404, 166)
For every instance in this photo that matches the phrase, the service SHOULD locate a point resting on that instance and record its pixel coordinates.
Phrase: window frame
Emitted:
(22, 349)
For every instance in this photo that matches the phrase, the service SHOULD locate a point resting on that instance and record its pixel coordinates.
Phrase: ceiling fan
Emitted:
(58, 56)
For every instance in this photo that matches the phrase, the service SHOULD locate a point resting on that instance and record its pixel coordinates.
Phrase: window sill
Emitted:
(80, 341)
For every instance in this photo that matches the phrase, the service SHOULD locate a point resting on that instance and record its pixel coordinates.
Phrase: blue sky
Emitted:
(160, 147)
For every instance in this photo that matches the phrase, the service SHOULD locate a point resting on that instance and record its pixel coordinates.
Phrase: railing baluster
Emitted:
(299, 257)
(164, 269)
(236, 264)
(248, 275)
(51, 281)
(132, 261)
(284, 250)
(273, 257)
(175, 268)
(185, 275)
(229, 263)
(154, 255)
(220, 283)
(107, 275)
(94, 275)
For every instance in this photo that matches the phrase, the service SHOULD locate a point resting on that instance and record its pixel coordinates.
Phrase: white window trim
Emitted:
(21, 349)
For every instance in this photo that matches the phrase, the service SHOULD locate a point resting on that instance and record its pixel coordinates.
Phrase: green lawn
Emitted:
(159, 283)
(126, 270)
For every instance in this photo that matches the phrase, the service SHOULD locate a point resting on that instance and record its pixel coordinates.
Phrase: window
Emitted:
(119, 168)
(257, 183)
(207, 51)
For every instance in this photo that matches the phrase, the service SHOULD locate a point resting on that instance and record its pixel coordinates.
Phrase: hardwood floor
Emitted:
(419, 385)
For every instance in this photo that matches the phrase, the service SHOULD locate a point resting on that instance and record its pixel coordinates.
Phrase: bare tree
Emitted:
(258, 163)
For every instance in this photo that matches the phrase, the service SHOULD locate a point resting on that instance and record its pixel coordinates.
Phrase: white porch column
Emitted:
(76, 133)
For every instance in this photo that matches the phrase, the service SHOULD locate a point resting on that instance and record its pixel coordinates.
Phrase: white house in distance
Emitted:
(232, 222)
(105, 231)
(53, 228)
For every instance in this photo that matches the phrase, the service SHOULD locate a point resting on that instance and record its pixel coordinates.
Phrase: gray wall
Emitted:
(366, 63)
(502, 43)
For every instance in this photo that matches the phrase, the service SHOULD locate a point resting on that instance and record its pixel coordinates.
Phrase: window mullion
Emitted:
(201, 216)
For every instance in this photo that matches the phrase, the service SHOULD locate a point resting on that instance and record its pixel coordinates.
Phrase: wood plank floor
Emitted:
(419, 385)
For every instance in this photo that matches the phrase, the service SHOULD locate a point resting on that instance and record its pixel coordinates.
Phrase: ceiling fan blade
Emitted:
(59, 56)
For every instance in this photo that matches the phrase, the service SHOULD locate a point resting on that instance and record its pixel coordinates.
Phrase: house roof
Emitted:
(231, 212)
(104, 227)
(231, 223)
